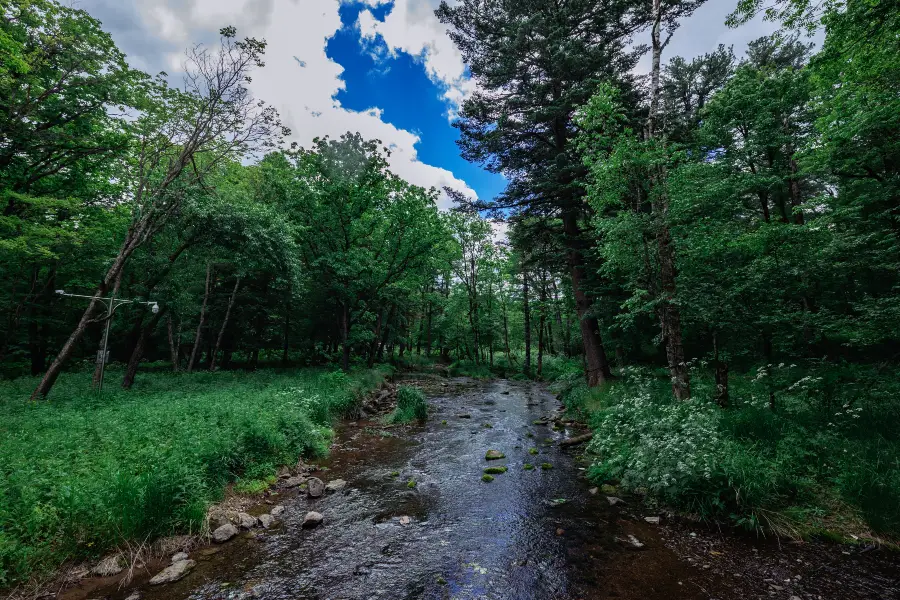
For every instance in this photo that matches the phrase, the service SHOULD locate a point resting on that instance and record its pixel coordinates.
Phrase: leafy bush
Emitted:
(82, 473)
(411, 405)
(825, 458)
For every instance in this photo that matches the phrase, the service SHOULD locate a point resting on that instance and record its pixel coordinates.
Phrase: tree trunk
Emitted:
(215, 352)
(199, 334)
(287, 328)
(345, 337)
(526, 367)
(132, 241)
(596, 365)
(140, 346)
(173, 347)
(541, 325)
(670, 319)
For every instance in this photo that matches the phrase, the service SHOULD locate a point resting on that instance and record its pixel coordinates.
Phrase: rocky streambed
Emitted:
(483, 501)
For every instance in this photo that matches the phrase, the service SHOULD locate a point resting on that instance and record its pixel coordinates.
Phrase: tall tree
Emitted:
(535, 62)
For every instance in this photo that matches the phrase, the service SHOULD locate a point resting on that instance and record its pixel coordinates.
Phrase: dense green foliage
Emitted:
(84, 473)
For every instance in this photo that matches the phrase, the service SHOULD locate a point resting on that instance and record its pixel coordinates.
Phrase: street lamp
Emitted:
(111, 303)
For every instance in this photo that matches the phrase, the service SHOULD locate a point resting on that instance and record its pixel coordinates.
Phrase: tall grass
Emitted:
(81, 473)
(411, 406)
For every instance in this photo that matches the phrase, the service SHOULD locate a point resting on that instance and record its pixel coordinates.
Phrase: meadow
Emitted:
(82, 472)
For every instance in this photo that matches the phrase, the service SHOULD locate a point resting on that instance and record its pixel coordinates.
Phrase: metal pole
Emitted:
(105, 341)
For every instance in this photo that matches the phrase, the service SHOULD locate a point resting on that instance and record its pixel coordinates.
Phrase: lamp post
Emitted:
(111, 303)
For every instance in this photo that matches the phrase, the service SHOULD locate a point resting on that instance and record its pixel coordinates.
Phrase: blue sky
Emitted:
(408, 97)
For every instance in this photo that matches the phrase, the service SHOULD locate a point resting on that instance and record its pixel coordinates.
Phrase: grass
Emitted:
(82, 473)
(826, 460)
(411, 406)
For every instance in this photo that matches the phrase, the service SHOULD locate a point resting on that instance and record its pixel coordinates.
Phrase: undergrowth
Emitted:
(411, 406)
(82, 473)
(825, 460)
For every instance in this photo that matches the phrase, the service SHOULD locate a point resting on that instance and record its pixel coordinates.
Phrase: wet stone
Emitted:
(224, 533)
(315, 487)
(312, 519)
(494, 455)
(109, 566)
(335, 485)
(246, 521)
(266, 520)
(173, 572)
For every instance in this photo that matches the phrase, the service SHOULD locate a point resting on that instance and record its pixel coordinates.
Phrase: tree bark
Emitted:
(345, 337)
(526, 367)
(199, 335)
(541, 325)
(173, 347)
(596, 364)
(215, 352)
(139, 347)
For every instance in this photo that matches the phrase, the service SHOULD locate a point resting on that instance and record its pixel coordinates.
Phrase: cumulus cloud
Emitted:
(411, 27)
(299, 79)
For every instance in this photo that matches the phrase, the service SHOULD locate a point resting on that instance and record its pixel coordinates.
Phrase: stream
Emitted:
(535, 534)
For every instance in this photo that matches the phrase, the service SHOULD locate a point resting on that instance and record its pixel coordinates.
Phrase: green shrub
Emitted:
(411, 405)
(819, 459)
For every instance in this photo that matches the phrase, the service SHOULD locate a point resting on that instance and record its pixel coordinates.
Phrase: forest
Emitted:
(703, 261)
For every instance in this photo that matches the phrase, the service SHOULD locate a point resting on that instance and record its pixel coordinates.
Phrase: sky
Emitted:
(385, 68)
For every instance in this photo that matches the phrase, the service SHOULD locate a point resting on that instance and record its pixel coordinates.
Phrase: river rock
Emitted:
(109, 566)
(335, 485)
(312, 519)
(652, 520)
(292, 482)
(224, 533)
(277, 511)
(173, 572)
(613, 500)
(135, 595)
(179, 557)
(266, 520)
(315, 487)
(494, 455)
(246, 521)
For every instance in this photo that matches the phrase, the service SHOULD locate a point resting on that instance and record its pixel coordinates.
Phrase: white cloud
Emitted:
(412, 27)
(299, 79)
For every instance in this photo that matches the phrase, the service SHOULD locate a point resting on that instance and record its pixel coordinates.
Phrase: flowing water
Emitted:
(529, 534)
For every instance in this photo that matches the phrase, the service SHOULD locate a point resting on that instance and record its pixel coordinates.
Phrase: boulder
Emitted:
(224, 533)
(179, 557)
(292, 482)
(173, 572)
(109, 566)
(246, 521)
(335, 485)
(312, 519)
(277, 511)
(315, 487)
(266, 520)
(494, 455)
